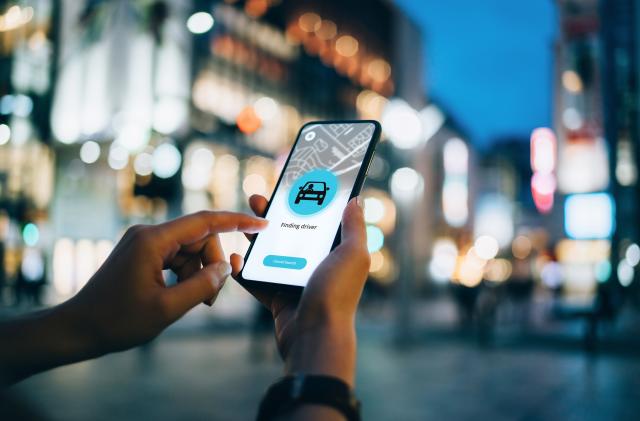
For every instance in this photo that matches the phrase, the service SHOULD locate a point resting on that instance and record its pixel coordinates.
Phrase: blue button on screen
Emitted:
(285, 262)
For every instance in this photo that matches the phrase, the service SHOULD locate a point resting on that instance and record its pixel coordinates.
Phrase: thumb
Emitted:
(203, 286)
(354, 231)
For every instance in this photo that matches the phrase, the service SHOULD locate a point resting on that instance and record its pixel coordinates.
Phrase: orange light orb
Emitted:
(248, 121)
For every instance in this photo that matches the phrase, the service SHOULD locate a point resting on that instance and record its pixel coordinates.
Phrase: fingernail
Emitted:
(360, 202)
(221, 271)
(261, 221)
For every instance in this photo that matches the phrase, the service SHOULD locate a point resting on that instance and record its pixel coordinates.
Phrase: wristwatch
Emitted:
(298, 389)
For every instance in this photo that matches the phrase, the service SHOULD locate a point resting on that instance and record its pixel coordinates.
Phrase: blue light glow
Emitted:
(589, 216)
(30, 234)
(375, 238)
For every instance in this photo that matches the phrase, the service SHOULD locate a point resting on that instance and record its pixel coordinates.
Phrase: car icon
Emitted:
(312, 190)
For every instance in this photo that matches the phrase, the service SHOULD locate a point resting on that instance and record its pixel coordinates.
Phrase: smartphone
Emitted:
(326, 167)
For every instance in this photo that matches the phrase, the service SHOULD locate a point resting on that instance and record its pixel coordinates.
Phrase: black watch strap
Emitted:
(298, 389)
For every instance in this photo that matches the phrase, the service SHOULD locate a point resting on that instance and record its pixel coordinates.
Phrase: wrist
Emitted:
(41, 341)
(75, 342)
(80, 337)
(327, 350)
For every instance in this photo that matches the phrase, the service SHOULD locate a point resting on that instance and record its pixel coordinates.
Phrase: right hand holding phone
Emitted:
(316, 331)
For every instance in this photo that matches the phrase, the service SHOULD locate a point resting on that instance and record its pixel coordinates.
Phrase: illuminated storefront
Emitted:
(157, 109)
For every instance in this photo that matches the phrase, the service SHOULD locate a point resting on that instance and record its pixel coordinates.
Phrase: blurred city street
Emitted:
(189, 374)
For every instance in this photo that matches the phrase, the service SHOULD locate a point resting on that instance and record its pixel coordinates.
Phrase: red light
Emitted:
(543, 202)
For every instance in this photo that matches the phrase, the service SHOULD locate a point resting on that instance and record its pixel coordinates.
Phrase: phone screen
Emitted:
(306, 208)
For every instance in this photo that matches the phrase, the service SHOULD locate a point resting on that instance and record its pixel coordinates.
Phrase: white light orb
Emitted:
(5, 134)
(402, 124)
(134, 137)
(254, 184)
(166, 160)
(486, 247)
(432, 120)
(169, 115)
(266, 108)
(22, 105)
(200, 22)
(143, 164)
(373, 210)
(202, 158)
(197, 171)
(625, 273)
(406, 184)
(118, 157)
(89, 152)
(443, 260)
(456, 157)
(632, 255)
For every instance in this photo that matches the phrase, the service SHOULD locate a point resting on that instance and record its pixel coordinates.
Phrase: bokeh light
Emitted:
(200, 22)
(143, 164)
(375, 238)
(89, 152)
(31, 234)
(406, 183)
(166, 160)
(486, 247)
(5, 134)
(402, 124)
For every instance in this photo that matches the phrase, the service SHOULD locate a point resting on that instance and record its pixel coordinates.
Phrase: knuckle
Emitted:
(203, 214)
(139, 234)
(132, 231)
(144, 234)
(209, 217)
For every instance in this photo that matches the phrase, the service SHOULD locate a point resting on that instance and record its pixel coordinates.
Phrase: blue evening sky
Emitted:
(489, 62)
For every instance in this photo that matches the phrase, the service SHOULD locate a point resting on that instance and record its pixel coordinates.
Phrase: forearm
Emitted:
(40, 341)
(329, 351)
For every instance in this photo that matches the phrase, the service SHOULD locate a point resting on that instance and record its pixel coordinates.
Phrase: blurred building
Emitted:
(620, 34)
(118, 112)
(595, 96)
(26, 158)
(583, 176)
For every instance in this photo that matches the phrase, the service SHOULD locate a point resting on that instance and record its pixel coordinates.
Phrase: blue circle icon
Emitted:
(312, 192)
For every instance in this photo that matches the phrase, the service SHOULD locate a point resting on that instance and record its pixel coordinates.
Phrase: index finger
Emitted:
(258, 204)
(191, 228)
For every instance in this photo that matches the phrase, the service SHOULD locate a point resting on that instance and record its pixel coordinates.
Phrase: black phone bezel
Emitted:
(357, 187)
